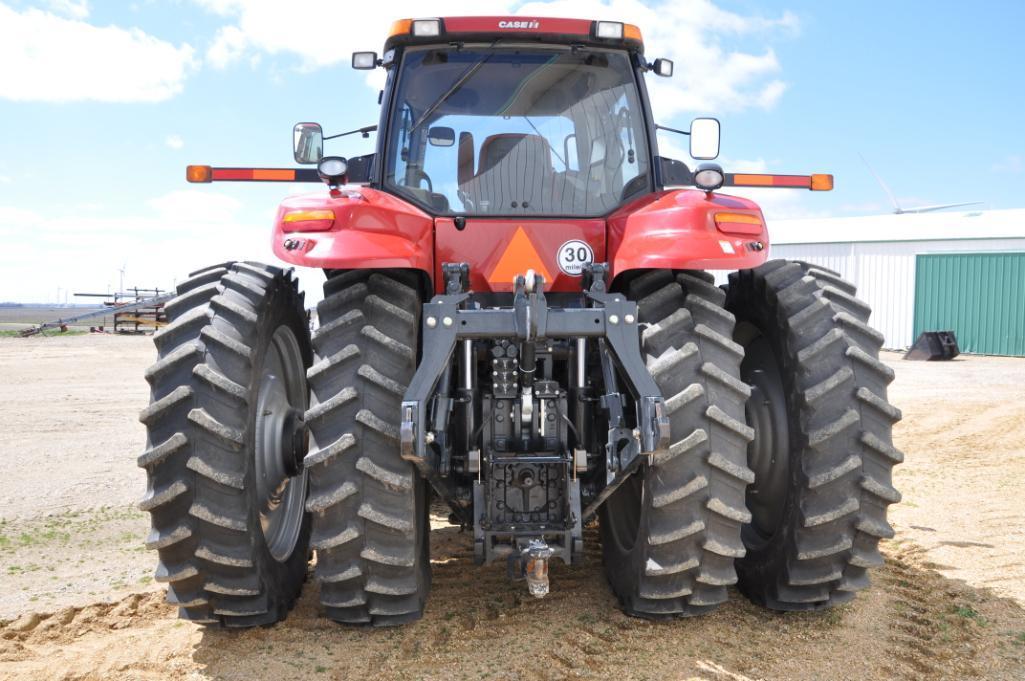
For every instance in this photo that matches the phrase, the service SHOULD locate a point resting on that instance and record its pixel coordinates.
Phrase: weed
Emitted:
(970, 613)
(833, 616)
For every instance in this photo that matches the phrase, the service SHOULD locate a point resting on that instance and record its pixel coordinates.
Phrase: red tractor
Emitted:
(518, 320)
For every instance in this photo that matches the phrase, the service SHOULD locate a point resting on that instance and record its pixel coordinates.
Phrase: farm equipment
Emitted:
(518, 320)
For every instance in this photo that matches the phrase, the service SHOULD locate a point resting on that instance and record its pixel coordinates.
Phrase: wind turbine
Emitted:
(897, 210)
(122, 271)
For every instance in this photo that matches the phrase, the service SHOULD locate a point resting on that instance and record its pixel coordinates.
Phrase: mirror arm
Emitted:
(363, 131)
(663, 127)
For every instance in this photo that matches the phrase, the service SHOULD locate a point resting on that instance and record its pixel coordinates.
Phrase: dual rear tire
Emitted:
(225, 490)
(778, 474)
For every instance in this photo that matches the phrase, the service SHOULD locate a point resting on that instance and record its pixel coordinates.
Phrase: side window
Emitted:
(402, 146)
(627, 136)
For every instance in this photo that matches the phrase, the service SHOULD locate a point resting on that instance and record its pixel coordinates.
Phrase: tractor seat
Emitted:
(514, 173)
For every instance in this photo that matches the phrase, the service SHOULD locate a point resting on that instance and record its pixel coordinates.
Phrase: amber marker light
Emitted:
(739, 223)
(822, 183)
(400, 27)
(198, 174)
(308, 220)
(631, 32)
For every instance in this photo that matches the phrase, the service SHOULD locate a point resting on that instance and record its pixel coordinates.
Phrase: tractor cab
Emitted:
(485, 116)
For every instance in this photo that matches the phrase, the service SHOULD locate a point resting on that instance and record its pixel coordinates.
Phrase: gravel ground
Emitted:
(950, 604)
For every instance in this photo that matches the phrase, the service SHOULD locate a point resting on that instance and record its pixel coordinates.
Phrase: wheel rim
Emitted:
(280, 442)
(768, 454)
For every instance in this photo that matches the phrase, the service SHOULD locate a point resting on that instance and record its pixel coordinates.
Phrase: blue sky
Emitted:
(103, 104)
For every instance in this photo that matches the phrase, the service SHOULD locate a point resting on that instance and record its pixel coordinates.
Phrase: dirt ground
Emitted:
(77, 602)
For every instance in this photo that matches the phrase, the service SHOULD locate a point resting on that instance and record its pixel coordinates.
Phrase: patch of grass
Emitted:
(320, 669)
(586, 618)
(15, 333)
(969, 613)
(833, 616)
(48, 535)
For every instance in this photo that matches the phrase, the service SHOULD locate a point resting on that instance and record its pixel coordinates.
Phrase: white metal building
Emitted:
(879, 254)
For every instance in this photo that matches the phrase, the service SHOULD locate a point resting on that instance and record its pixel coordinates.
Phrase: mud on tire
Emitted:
(202, 486)
(370, 518)
(670, 535)
(825, 438)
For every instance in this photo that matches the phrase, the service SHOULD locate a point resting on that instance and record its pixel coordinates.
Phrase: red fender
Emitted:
(370, 229)
(677, 230)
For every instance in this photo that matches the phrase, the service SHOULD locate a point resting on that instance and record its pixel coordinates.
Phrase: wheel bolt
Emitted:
(432, 322)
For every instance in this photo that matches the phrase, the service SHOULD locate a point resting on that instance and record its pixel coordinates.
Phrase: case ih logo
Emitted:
(519, 24)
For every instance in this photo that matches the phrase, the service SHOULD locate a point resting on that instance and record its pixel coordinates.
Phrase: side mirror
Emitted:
(364, 61)
(307, 143)
(663, 67)
(441, 136)
(704, 138)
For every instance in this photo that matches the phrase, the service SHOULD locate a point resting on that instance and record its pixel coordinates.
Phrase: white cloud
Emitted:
(174, 142)
(49, 58)
(4, 179)
(229, 46)
(74, 9)
(709, 77)
(1010, 164)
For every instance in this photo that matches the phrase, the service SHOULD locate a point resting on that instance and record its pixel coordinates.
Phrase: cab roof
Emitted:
(521, 28)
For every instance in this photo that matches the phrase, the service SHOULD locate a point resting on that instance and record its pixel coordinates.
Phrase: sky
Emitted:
(102, 104)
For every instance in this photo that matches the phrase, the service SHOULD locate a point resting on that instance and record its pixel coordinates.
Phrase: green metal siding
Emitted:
(980, 296)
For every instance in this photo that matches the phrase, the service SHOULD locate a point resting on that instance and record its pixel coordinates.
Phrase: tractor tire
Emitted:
(823, 452)
(370, 506)
(671, 533)
(225, 490)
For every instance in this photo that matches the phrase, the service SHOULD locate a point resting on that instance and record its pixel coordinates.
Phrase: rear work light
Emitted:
(610, 30)
(426, 28)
